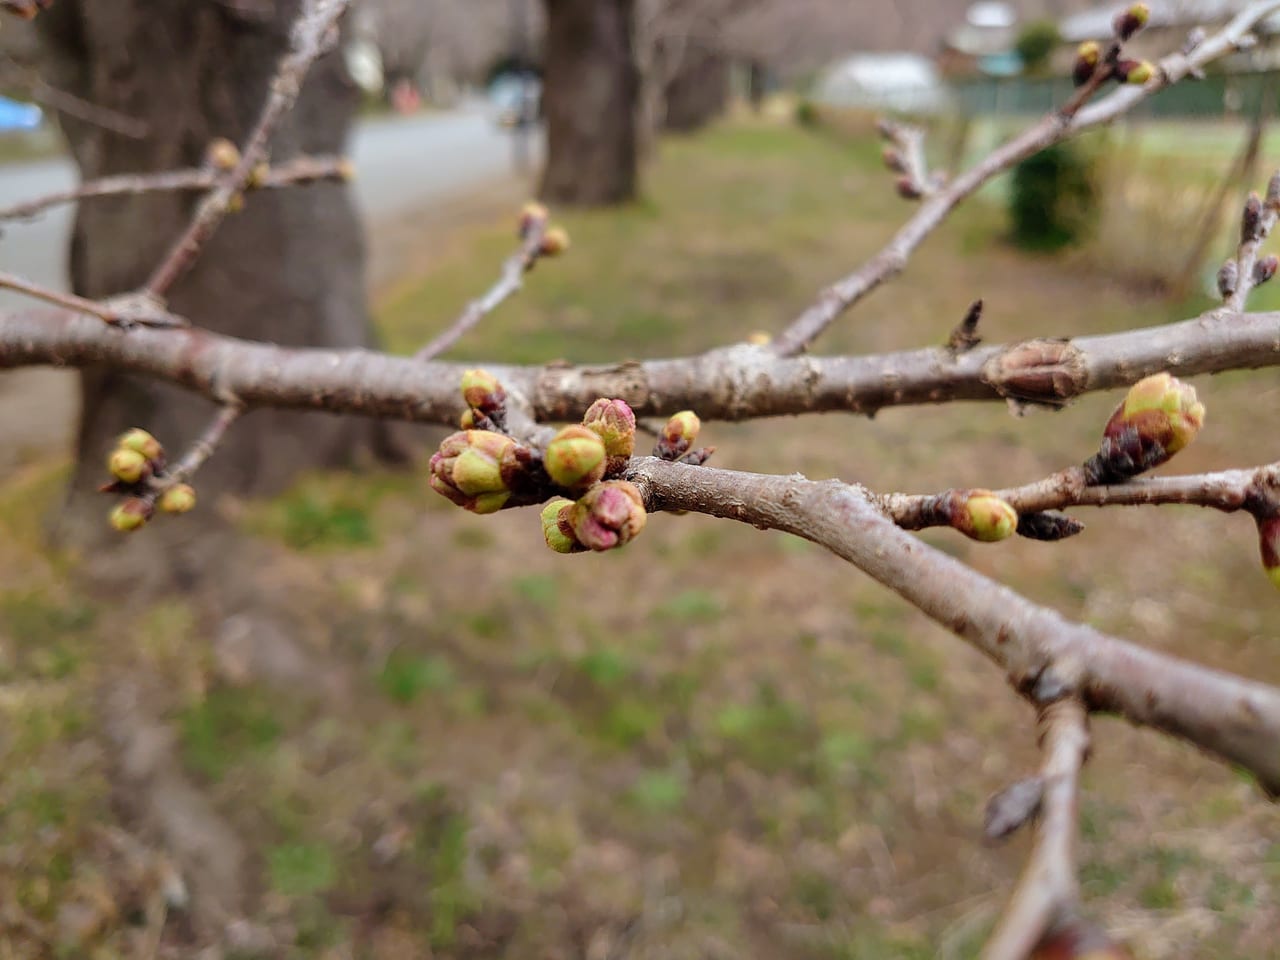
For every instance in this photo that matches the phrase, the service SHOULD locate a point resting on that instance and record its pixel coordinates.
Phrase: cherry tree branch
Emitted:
(1045, 656)
(733, 383)
(1053, 128)
(302, 170)
(314, 33)
(206, 445)
(1049, 891)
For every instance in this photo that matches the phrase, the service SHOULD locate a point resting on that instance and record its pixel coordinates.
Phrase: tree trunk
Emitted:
(289, 268)
(590, 98)
(699, 91)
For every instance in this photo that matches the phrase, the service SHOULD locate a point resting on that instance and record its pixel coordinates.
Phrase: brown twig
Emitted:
(205, 446)
(1045, 657)
(1054, 127)
(313, 33)
(509, 283)
(129, 310)
(1258, 218)
(734, 383)
(302, 170)
(70, 105)
(1049, 891)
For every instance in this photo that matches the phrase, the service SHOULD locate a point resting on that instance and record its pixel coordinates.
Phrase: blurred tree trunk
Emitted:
(698, 92)
(289, 268)
(590, 97)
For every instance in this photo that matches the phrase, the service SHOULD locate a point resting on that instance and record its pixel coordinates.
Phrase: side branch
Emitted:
(734, 383)
(1045, 656)
(1051, 129)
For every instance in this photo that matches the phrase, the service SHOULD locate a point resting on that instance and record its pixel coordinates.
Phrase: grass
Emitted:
(716, 741)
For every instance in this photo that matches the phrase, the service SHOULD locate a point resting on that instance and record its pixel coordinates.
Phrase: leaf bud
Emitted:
(1228, 278)
(1088, 54)
(1265, 269)
(1251, 219)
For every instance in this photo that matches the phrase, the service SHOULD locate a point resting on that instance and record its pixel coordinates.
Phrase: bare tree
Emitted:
(597, 493)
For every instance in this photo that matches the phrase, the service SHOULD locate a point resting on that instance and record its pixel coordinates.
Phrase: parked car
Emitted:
(516, 99)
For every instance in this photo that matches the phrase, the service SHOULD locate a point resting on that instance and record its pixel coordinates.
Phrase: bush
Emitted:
(1036, 43)
(1054, 201)
(806, 114)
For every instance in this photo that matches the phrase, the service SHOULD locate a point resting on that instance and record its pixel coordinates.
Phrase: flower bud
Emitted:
(554, 242)
(132, 514)
(615, 423)
(1087, 57)
(179, 498)
(258, 175)
(1272, 202)
(141, 442)
(893, 160)
(981, 515)
(472, 470)
(575, 457)
(468, 419)
(556, 529)
(678, 435)
(1079, 940)
(531, 214)
(907, 188)
(1136, 72)
(608, 515)
(1131, 21)
(1251, 220)
(222, 154)
(127, 465)
(1269, 543)
(1265, 269)
(1228, 278)
(482, 391)
(1159, 416)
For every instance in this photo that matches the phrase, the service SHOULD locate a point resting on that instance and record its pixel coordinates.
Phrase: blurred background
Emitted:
(327, 715)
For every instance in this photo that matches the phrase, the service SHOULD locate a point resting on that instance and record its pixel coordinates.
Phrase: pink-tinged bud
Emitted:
(141, 442)
(482, 391)
(1272, 202)
(557, 529)
(533, 213)
(222, 154)
(132, 514)
(1251, 219)
(1265, 269)
(1228, 278)
(1159, 416)
(180, 498)
(1131, 21)
(907, 188)
(615, 423)
(473, 469)
(981, 515)
(1269, 543)
(886, 128)
(892, 158)
(554, 242)
(575, 457)
(1136, 72)
(608, 515)
(1088, 55)
(127, 465)
(678, 436)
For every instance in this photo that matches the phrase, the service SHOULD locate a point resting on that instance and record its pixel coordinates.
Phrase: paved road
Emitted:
(403, 164)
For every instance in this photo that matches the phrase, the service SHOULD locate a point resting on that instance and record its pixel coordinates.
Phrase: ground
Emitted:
(432, 737)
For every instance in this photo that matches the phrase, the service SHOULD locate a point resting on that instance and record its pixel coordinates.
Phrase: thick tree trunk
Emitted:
(590, 94)
(699, 91)
(289, 268)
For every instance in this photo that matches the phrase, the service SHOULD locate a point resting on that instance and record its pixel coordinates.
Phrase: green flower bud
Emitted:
(1269, 543)
(222, 154)
(1159, 416)
(1136, 72)
(127, 465)
(132, 514)
(141, 442)
(575, 457)
(1130, 21)
(1088, 55)
(179, 498)
(468, 419)
(475, 469)
(609, 515)
(678, 435)
(615, 423)
(482, 391)
(555, 520)
(555, 242)
(981, 515)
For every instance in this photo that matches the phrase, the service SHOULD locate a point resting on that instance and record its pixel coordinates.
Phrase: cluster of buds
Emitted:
(1269, 544)
(677, 438)
(553, 240)
(1088, 56)
(609, 515)
(137, 466)
(1091, 57)
(981, 515)
(479, 470)
(1158, 417)
(486, 400)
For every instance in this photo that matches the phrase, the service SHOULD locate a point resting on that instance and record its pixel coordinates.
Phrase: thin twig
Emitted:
(1257, 220)
(302, 170)
(70, 301)
(509, 283)
(1049, 891)
(42, 92)
(312, 34)
(206, 445)
(1054, 127)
